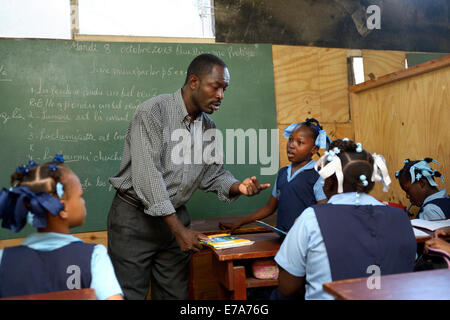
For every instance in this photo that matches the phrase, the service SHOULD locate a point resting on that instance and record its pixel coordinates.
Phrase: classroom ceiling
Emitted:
(408, 25)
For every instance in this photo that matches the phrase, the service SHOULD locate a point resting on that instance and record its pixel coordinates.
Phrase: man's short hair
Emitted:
(202, 65)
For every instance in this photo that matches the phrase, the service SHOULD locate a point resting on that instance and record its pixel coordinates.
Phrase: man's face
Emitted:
(210, 89)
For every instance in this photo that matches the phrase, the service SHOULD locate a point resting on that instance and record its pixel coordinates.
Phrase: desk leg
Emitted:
(224, 273)
(240, 288)
(231, 279)
(223, 294)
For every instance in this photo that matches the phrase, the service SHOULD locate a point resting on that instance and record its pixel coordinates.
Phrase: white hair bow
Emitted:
(380, 171)
(333, 167)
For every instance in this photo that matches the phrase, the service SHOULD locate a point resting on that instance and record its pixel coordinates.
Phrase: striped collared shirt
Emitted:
(147, 165)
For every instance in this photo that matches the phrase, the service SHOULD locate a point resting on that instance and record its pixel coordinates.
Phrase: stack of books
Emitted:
(226, 240)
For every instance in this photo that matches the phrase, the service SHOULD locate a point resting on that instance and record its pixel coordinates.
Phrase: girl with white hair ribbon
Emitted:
(349, 236)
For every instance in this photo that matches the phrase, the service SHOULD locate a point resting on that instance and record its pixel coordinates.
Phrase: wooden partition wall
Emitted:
(312, 82)
(406, 114)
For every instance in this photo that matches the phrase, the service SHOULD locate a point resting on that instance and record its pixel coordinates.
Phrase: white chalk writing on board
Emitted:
(4, 74)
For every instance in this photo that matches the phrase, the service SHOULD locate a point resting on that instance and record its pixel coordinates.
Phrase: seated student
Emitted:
(438, 243)
(416, 178)
(298, 185)
(50, 197)
(352, 232)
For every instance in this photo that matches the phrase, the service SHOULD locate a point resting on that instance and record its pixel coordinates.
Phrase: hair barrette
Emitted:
(331, 155)
(30, 218)
(358, 147)
(363, 179)
(59, 189)
(25, 169)
(58, 158)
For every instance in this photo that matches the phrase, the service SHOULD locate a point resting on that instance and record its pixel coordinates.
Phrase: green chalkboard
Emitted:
(77, 98)
(415, 58)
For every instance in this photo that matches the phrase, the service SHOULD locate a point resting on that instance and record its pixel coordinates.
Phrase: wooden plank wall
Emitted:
(311, 82)
(407, 118)
(380, 62)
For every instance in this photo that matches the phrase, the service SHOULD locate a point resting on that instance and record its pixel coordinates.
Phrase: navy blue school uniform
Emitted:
(45, 271)
(50, 261)
(379, 236)
(341, 240)
(435, 207)
(296, 192)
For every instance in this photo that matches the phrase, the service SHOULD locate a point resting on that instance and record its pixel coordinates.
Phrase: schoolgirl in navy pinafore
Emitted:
(45, 271)
(294, 196)
(359, 236)
(443, 203)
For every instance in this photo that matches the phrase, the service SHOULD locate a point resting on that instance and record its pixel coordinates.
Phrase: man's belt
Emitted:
(132, 201)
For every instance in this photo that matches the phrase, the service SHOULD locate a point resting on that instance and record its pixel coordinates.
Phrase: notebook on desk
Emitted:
(420, 234)
(225, 240)
(431, 225)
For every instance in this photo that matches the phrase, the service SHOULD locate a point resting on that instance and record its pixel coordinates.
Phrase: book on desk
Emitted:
(424, 229)
(272, 228)
(226, 240)
(431, 225)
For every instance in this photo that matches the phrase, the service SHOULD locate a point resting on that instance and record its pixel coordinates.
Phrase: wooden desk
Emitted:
(203, 283)
(422, 285)
(232, 276)
(211, 225)
(81, 294)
